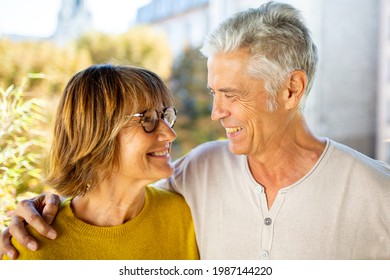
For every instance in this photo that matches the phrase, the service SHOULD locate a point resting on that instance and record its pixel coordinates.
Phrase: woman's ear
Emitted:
(296, 86)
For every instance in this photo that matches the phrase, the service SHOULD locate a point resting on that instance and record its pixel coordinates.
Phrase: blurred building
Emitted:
(350, 100)
(73, 20)
(186, 23)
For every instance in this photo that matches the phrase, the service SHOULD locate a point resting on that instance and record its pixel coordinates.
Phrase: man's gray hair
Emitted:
(278, 41)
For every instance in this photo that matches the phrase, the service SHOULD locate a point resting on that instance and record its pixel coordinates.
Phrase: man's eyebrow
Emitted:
(227, 89)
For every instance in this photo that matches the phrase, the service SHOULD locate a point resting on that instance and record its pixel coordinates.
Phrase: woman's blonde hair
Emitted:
(90, 114)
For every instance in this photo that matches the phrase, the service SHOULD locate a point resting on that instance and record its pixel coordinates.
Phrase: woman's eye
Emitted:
(147, 119)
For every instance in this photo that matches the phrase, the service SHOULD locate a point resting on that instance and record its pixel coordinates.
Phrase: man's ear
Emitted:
(296, 86)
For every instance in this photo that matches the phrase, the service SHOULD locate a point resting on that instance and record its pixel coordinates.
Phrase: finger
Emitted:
(6, 246)
(18, 230)
(50, 209)
(26, 211)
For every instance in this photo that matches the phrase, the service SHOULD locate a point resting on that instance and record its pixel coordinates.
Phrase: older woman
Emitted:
(112, 138)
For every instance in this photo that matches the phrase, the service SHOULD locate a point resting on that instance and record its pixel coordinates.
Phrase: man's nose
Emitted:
(219, 110)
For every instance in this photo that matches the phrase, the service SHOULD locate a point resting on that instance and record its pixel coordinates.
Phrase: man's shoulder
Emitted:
(211, 148)
(212, 145)
(359, 162)
(208, 155)
(207, 162)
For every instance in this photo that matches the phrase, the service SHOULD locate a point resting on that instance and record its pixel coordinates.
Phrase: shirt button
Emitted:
(267, 221)
(258, 189)
(264, 255)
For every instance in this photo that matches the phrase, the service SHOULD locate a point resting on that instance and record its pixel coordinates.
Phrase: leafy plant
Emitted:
(23, 147)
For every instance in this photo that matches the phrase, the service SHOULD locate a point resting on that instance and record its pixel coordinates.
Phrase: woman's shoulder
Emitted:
(166, 200)
(160, 194)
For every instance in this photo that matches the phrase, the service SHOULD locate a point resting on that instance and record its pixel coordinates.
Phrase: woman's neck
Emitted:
(111, 203)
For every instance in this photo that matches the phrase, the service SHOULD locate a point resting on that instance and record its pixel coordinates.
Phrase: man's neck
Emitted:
(287, 161)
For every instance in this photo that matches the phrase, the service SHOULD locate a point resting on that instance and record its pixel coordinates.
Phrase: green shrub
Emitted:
(23, 147)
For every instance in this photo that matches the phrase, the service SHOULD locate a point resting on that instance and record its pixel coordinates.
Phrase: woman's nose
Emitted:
(165, 131)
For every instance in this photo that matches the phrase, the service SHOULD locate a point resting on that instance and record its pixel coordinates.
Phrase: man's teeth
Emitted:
(161, 153)
(233, 129)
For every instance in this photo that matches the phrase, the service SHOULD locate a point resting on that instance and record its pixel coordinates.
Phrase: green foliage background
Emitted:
(23, 146)
(32, 79)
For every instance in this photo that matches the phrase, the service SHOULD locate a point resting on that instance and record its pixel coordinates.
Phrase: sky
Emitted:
(38, 17)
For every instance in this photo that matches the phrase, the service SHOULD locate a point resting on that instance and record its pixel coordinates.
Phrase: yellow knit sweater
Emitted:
(162, 230)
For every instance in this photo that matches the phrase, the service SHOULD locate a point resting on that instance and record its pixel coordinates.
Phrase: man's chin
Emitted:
(235, 149)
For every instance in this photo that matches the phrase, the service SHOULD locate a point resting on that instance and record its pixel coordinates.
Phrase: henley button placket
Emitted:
(269, 216)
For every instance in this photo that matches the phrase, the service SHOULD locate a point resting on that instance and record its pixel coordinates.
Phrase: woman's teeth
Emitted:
(160, 153)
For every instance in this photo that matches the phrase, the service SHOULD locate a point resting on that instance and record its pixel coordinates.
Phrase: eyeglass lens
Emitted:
(169, 114)
(150, 119)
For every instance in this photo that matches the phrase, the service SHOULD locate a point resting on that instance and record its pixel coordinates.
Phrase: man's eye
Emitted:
(229, 95)
(212, 93)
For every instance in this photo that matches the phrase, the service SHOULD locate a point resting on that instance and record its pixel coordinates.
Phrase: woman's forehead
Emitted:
(149, 107)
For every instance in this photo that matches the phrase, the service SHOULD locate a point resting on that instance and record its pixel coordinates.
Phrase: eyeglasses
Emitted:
(149, 118)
